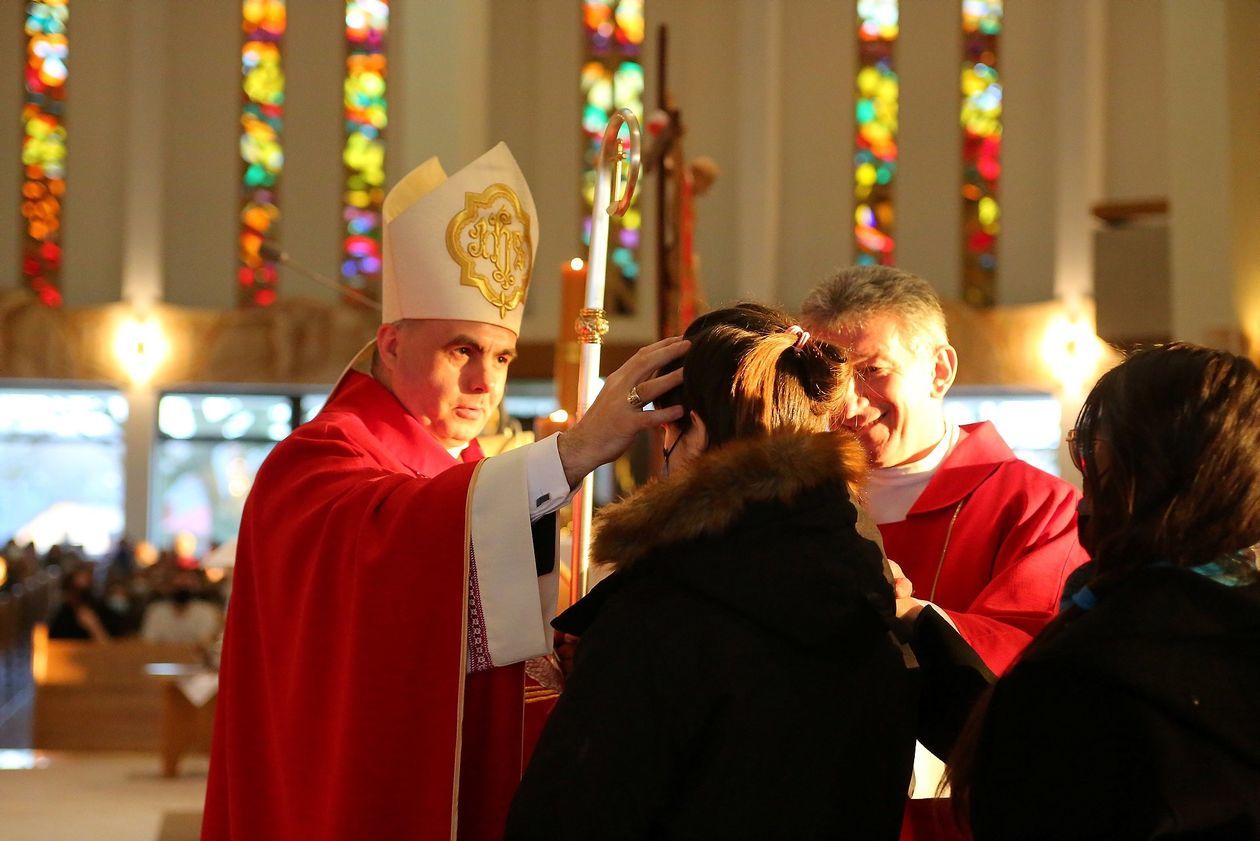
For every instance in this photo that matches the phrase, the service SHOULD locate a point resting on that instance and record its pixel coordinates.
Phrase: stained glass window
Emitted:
(44, 147)
(262, 155)
(875, 154)
(612, 78)
(982, 148)
(364, 155)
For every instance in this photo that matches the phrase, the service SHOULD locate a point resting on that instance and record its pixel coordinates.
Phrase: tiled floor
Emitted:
(102, 797)
(86, 796)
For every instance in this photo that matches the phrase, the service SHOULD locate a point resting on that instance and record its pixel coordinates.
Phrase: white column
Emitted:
(816, 192)
(142, 212)
(757, 97)
(929, 172)
(1029, 186)
(139, 433)
(311, 228)
(1079, 134)
(1200, 177)
(1244, 67)
(536, 111)
(439, 54)
(142, 282)
(100, 100)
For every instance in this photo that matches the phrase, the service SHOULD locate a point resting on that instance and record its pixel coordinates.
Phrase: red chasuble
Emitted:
(346, 707)
(991, 540)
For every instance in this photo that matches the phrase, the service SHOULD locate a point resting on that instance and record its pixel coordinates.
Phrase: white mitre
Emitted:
(462, 247)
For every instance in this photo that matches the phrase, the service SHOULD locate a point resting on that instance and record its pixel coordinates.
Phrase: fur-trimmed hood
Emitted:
(765, 528)
(709, 495)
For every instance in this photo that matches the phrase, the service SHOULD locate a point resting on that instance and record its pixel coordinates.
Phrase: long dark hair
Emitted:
(1169, 442)
(747, 374)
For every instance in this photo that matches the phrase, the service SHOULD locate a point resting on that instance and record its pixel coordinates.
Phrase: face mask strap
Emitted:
(666, 452)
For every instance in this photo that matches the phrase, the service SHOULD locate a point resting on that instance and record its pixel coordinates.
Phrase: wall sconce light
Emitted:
(1072, 350)
(141, 347)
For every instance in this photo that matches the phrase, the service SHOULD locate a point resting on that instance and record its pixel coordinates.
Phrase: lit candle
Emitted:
(568, 353)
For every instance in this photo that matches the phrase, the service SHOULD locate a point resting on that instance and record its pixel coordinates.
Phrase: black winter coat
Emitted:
(736, 677)
(1137, 718)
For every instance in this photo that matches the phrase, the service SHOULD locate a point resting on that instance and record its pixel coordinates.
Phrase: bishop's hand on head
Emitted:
(612, 421)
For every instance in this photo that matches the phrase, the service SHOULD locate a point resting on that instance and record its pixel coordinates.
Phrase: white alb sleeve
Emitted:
(548, 489)
(516, 606)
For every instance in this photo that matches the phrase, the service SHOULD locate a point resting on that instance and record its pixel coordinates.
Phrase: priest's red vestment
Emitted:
(360, 693)
(991, 540)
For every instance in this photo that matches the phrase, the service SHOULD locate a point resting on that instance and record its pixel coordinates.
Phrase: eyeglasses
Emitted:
(1075, 450)
(1082, 450)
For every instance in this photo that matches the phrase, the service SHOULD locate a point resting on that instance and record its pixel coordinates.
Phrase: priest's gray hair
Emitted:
(377, 369)
(854, 295)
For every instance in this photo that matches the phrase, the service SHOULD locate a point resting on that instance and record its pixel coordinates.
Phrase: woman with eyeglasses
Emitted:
(736, 677)
(1136, 713)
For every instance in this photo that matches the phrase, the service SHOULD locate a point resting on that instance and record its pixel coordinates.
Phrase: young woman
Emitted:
(1134, 714)
(736, 677)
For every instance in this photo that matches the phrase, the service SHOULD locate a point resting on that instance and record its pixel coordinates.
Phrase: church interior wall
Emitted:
(506, 69)
(1244, 106)
(200, 199)
(929, 213)
(1027, 192)
(466, 74)
(533, 105)
(1135, 156)
(814, 236)
(1135, 304)
(313, 141)
(1202, 182)
(441, 56)
(96, 164)
(1102, 104)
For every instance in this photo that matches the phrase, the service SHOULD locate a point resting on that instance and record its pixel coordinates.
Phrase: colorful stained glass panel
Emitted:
(262, 153)
(612, 78)
(982, 149)
(875, 145)
(367, 23)
(44, 146)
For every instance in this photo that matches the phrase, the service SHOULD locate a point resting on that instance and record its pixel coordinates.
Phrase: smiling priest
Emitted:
(389, 580)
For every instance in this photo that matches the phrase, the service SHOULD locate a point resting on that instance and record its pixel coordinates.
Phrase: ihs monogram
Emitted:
(490, 240)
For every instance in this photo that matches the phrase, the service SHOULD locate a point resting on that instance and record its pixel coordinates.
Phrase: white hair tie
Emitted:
(802, 335)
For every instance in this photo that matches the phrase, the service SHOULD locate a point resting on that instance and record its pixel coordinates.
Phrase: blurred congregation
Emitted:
(159, 596)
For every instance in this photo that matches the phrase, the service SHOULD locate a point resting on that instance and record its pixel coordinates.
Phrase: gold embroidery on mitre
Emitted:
(490, 241)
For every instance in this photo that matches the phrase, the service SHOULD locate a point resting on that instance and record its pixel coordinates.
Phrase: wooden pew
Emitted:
(186, 728)
(97, 696)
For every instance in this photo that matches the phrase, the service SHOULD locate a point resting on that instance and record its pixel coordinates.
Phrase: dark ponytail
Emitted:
(749, 373)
